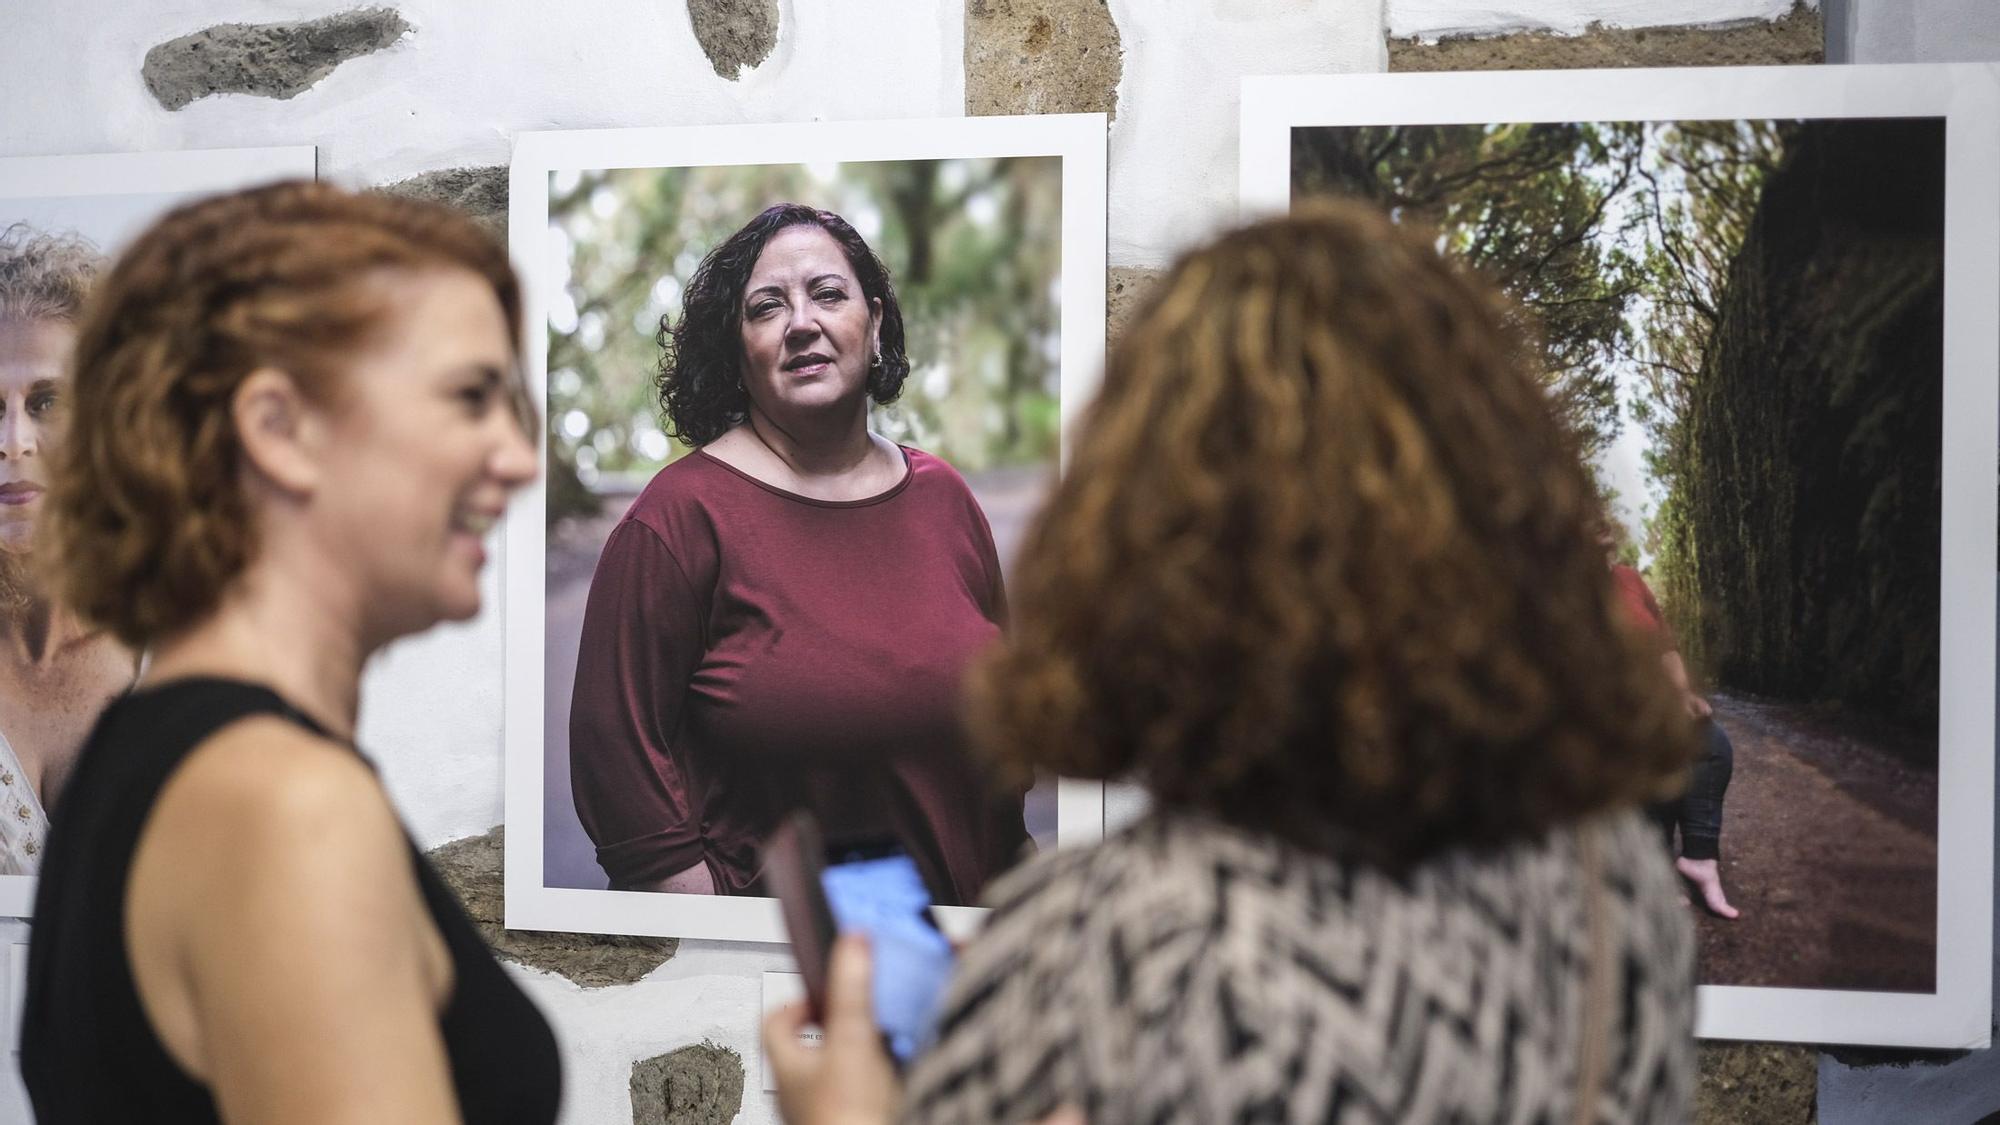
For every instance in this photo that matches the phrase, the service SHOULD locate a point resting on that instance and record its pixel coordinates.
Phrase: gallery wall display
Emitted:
(692, 649)
(62, 220)
(1762, 299)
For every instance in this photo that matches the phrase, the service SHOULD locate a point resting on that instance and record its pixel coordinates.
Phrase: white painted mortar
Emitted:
(470, 75)
(1173, 145)
(1887, 31)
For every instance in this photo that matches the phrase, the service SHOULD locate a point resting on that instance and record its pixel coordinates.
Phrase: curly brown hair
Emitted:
(1320, 565)
(146, 517)
(700, 376)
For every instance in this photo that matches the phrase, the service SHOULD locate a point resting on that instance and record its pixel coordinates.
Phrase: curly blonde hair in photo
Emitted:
(1321, 565)
(45, 275)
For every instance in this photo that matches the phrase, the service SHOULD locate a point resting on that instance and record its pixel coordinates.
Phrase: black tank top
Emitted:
(88, 1052)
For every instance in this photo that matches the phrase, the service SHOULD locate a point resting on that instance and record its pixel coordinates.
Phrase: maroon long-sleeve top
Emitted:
(747, 651)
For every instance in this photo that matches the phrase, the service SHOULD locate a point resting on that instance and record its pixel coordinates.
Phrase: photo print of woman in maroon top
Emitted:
(781, 618)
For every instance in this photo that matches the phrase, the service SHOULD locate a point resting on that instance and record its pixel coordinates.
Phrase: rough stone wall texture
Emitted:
(697, 1085)
(1756, 1084)
(1798, 37)
(471, 868)
(1041, 56)
(479, 191)
(1125, 290)
(270, 60)
(737, 35)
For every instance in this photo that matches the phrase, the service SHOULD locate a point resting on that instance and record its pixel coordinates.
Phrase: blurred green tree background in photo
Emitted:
(973, 248)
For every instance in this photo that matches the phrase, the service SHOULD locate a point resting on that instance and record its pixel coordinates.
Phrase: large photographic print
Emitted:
(718, 649)
(1743, 322)
(1749, 294)
(63, 219)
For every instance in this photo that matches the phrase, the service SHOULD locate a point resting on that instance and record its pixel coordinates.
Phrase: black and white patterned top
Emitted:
(1188, 971)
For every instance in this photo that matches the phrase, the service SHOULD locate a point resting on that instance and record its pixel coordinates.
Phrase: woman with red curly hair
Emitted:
(1320, 577)
(296, 413)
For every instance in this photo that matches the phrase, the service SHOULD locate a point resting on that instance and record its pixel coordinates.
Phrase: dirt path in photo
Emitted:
(1829, 848)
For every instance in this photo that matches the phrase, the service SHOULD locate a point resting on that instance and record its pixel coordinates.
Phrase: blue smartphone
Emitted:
(877, 888)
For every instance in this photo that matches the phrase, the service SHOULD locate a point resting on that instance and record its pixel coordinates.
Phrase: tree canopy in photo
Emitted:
(1528, 205)
(1612, 240)
(1761, 300)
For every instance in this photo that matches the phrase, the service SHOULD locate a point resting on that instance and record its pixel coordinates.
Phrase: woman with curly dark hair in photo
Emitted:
(1320, 576)
(782, 618)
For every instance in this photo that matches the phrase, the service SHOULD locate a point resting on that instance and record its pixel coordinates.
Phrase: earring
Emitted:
(875, 361)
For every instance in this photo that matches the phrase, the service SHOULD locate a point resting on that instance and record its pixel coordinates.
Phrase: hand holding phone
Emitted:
(872, 887)
(849, 1076)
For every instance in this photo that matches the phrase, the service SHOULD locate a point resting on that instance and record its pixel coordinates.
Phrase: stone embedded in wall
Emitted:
(735, 34)
(1796, 38)
(1041, 56)
(1756, 1084)
(471, 868)
(1125, 287)
(696, 1085)
(270, 60)
(479, 191)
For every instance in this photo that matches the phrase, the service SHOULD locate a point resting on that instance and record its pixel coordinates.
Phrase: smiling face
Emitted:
(809, 333)
(34, 354)
(426, 446)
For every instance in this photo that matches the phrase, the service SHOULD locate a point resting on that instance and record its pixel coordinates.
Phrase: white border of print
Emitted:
(189, 174)
(1079, 139)
(1967, 96)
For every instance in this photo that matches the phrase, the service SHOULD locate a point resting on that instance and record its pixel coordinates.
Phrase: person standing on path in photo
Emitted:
(1697, 812)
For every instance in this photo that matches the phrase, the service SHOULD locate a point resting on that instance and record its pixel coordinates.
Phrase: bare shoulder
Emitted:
(269, 820)
(273, 888)
(264, 779)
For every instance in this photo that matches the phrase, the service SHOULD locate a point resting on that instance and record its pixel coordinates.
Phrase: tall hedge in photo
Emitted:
(1799, 548)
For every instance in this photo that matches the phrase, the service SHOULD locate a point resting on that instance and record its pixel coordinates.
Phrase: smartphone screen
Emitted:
(883, 896)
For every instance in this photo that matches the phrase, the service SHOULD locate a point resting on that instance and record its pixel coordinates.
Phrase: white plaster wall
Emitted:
(471, 74)
(1894, 31)
(1173, 145)
(1430, 20)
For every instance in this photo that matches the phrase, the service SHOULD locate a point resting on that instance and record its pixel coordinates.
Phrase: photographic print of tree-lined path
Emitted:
(1742, 324)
